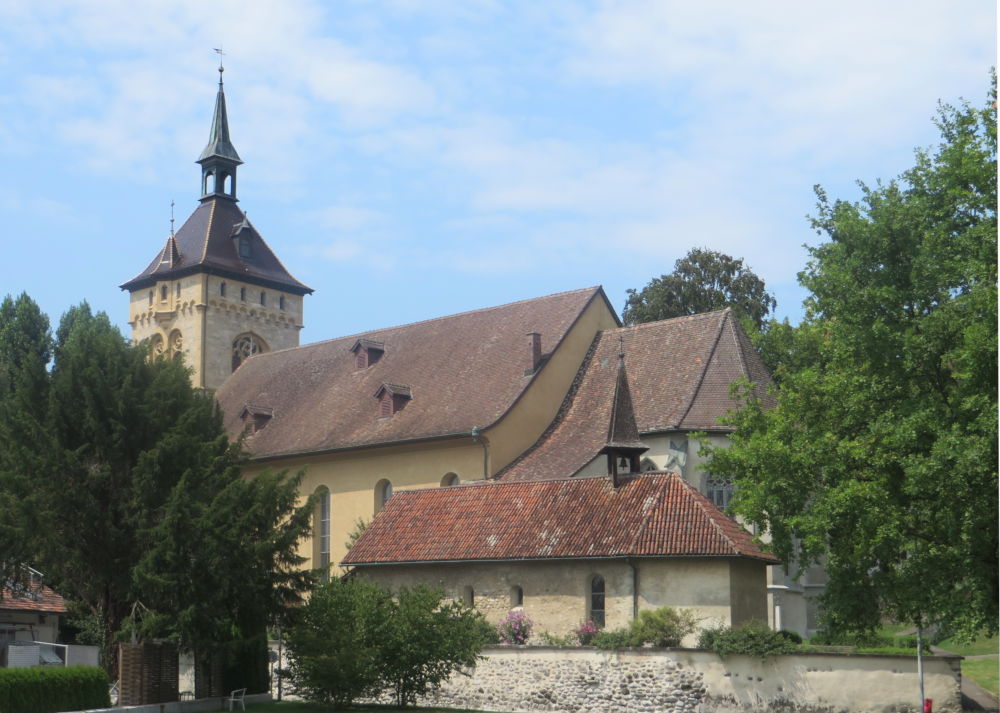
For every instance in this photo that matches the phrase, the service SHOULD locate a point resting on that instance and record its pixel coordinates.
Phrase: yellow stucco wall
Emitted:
(208, 322)
(538, 405)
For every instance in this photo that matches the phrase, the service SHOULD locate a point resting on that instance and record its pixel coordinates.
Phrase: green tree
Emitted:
(428, 640)
(336, 645)
(881, 456)
(702, 281)
(117, 480)
(353, 639)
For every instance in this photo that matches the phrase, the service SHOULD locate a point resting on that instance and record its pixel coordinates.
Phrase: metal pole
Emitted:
(920, 663)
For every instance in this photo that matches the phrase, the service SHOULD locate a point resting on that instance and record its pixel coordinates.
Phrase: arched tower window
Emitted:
(321, 532)
(448, 480)
(596, 605)
(156, 345)
(176, 344)
(245, 346)
(383, 491)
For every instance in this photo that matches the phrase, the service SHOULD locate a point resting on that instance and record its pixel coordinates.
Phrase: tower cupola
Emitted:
(219, 159)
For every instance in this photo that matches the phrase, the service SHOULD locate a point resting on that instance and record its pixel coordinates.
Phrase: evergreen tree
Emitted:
(117, 480)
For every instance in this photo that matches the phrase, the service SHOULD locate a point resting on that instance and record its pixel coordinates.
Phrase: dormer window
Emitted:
(392, 398)
(255, 418)
(246, 252)
(367, 352)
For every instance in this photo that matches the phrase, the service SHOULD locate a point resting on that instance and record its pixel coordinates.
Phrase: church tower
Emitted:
(216, 294)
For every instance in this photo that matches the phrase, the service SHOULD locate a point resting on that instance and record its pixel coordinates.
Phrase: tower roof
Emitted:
(219, 144)
(208, 241)
(623, 434)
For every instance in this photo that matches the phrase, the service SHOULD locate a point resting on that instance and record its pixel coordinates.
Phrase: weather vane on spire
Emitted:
(171, 218)
(219, 51)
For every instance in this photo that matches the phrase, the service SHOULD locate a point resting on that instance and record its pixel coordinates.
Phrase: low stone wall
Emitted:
(576, 680)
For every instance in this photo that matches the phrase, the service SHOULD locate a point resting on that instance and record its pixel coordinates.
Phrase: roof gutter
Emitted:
(625, 558)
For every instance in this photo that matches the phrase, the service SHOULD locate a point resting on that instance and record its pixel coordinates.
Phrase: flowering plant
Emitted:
(515, 627)
(586, 632)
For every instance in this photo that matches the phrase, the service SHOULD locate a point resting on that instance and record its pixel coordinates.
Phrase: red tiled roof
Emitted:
(652, 515)
(42, 599)
(207, 242)
(679, 372)
(463, 371)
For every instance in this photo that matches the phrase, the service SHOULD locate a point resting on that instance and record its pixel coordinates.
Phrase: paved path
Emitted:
(974, 698)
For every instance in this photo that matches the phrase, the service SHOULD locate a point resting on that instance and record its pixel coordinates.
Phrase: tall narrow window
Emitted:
(263, 298)
(596, 613)
(469, 596)
(322, 532)
(516, 597)
(243, 294)
(177, 290)
(383, 491)
(163, 293)
(281, 302)
(150, 297)
(222, 289)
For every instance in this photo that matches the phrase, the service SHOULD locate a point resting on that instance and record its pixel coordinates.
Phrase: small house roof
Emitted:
(649, 515)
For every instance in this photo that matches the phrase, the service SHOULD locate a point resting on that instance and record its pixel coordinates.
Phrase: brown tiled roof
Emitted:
(652, 515)
(679, 372)
(463, 371)
(206, 243)
(41, 599)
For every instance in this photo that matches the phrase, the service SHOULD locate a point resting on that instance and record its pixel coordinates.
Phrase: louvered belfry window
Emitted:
(385, 405)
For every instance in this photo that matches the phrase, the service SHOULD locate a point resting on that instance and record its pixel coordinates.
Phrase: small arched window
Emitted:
(516, 597)
(469, 596)
(176, 344)
(243, 294)
(321, 532)
(448, 480)
(156, 345)
(596, 608)
(383, 491)
(263, 298)
(150, 297)
(222, 289)
(163, 293)
(281, 302)
(647, 464)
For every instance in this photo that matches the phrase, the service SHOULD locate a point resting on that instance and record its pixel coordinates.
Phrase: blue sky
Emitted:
(414, 158)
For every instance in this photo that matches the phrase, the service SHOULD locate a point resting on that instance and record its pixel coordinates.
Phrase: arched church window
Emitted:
(596, 605)
(156, 345)
(321, 531)
(383, 491)
(646, 465)
(176, 344)
(719, 490)
(245, 346)
(448, 480)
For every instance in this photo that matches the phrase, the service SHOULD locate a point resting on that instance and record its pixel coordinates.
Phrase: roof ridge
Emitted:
(739, 346)
(359, 335)
(657, 322)
(704, 371)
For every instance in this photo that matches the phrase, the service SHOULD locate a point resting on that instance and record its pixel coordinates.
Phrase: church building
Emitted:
(536, 454)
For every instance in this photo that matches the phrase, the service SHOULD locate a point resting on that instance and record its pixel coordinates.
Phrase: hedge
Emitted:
(50, 690)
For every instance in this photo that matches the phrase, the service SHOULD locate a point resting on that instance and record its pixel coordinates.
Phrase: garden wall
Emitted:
(538, 678)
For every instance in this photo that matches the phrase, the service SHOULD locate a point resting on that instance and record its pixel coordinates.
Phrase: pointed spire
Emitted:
(219, 144)
(623, 433)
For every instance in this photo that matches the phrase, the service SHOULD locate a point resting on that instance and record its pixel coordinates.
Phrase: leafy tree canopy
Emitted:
(702, 281)
(881, 457)
(118, 482)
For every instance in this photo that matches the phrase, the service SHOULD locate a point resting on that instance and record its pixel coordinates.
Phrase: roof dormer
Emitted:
(367, 352)
(255, 418)
(392, 398)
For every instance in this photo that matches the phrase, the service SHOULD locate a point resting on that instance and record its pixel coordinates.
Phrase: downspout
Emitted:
(204, 328)
(635, 588)
(484, 442)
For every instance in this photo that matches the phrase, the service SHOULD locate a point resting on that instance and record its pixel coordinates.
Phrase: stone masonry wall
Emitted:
(583, 680)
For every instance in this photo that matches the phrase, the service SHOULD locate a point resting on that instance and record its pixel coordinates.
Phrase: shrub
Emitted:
(586, 632)
(515, 627)
(555, 640)
(792, 636)
(832, 637)
(426, 641)
(753, 638)
(47, 690)
(617, 639)
(334, 646)
(665, 626)
(353, 639)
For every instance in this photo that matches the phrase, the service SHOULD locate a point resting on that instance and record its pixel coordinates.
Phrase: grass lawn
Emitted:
(302, 707)
(984, 672)
(982, 645)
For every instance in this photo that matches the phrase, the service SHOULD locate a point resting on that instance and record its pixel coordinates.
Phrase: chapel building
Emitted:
(536, 454)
